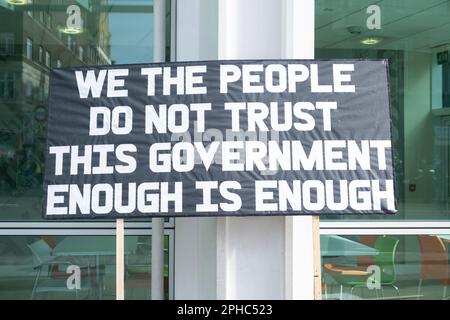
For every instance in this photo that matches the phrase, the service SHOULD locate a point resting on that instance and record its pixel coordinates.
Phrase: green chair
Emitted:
(360, 276)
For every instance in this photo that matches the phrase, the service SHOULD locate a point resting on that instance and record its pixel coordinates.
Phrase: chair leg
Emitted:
(419, 288)
(342, 289)
(396, 290)
(35, 283)
(90, 279)
(444, 293)
(351, 292)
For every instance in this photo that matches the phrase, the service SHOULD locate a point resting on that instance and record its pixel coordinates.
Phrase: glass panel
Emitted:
(29, 52)
(34, 38)
(414, 36)
(49, 267)
(385, 267)
(138, 268)
(47, 59)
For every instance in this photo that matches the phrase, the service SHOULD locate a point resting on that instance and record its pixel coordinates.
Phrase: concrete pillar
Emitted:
(195, 238)
(244, 257)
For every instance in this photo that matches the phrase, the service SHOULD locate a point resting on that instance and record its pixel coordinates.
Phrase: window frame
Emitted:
(7, 43)
(29, 48)
(8, 78)
(41, 54)
(48, 59)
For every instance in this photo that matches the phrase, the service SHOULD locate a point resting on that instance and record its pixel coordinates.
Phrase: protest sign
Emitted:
(275, 137)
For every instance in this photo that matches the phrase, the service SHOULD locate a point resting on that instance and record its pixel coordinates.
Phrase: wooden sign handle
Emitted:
(317, 260)
(120, 260)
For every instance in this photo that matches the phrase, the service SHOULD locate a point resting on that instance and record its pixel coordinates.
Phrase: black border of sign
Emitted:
(111, 218)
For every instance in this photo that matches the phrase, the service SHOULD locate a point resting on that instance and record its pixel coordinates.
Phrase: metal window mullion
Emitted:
(381, 231)
(77, 225)
(384, 224)
(73, 232)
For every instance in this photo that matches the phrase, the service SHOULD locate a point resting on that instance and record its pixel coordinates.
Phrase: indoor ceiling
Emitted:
(405, 24)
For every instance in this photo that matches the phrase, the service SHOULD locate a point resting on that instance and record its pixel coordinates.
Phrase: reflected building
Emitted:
(34, 38)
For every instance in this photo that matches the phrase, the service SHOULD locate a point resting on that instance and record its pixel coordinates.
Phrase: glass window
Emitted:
(80, 53)
(413, 37)
(7, 85)
(120, 32)
(29, 89)
(47, 59)
(41, 54)
(6, 43)
(121, 35)
(385, 266)
(48, 22)
(75, 267)
(29, 49)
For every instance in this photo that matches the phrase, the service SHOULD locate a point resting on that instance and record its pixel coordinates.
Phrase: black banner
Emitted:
(232, 138)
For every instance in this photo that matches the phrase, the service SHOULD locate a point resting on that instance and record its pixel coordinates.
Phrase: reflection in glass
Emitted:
(385, 267)
(35, 37)
(138, 270)
(413, 37)
(47, 267)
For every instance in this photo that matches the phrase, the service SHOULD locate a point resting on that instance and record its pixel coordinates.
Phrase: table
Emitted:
(92, 246)
(335, 246)
(445, 237)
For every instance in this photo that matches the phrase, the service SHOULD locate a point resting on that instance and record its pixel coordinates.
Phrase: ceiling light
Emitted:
(72, 30)
(17, 2)
(370, 41)
(355, 29)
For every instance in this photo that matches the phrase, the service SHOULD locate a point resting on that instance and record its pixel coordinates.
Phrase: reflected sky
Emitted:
(131, 34)
(131, 37)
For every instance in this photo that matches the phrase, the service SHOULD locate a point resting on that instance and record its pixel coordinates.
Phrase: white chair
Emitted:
(42, 255)
(41, 252)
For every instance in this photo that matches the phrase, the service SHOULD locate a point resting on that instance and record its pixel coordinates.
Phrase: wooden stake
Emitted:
(120, 260)
(317, 260)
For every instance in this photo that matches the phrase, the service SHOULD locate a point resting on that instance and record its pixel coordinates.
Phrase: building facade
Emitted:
(404, 256)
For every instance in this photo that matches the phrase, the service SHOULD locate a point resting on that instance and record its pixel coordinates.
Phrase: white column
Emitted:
(195, 238)
(245, 257)
(159, 49)
(298, 43)
(265, 257)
